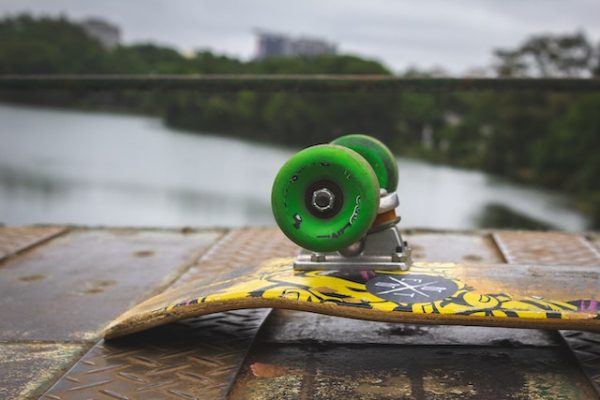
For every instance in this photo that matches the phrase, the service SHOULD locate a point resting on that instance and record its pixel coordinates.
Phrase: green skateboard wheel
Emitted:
(325, 198)
(377, 154)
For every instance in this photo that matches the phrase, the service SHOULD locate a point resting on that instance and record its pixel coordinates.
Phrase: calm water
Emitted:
(103, 169)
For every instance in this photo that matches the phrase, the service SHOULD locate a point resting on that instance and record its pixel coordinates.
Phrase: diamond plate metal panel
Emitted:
(195, 359)
(557, 248)
(192, 359)
(308, 356)
(239, 247)
(586, 347)
(313, 371)
(86, 278)
(16, 239)
(29, 368)
(453, 247)
(290, 326)
(548, 248)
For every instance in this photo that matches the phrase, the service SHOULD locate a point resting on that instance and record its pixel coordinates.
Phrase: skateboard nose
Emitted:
(323, 200)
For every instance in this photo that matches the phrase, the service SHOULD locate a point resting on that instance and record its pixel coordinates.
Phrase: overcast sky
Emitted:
(456, 35)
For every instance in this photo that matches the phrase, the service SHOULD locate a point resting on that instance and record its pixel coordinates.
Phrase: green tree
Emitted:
(549, 56)
(47, 45)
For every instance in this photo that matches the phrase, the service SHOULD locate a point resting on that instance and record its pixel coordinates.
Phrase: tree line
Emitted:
(547, 139)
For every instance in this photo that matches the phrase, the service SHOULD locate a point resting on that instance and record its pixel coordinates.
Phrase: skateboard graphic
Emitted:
(338, 202)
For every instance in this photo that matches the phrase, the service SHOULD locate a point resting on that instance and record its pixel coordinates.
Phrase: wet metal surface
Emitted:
(548, 248)
(72, 287)
(586, 347)
(26, 369)
(286, 326)
(309, 356)
(233, 257)
(16, 239)
(556, 248)
(195, 359)
(296, 355)
(240, 247)
(453, 247)
(408, 372)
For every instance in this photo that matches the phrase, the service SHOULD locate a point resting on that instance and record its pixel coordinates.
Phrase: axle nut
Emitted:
(323, 200)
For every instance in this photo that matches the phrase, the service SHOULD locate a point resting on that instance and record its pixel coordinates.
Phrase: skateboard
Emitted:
(338, 203)
(508, 295)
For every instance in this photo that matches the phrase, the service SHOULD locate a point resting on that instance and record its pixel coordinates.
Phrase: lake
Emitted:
(92, 168)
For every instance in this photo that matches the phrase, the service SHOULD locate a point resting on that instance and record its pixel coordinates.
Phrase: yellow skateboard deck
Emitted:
(509, 295)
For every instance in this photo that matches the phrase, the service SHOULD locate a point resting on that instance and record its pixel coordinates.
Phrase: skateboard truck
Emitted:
(381, 248)
(338, 202)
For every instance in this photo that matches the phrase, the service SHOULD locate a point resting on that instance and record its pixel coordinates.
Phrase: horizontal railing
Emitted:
(291, 83)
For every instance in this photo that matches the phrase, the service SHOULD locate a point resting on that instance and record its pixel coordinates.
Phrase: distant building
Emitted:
(277, 45)
(107, 34)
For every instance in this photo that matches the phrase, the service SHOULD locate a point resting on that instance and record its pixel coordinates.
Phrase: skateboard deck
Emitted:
(509, 295)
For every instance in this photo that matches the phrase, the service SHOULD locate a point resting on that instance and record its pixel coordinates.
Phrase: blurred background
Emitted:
(484, 159)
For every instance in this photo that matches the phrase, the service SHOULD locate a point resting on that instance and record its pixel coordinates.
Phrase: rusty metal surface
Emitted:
(557, 248)
(315, 371)
(234, 257)
(17, 239)
(195, 359)
(71, 288)
(286, 326)
(548, 248)
(453, 247)
(302, 355)
(240, 247)
(307, 356)
(586, 347)
(26, 369)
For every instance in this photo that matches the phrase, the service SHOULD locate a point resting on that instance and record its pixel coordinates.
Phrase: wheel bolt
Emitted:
(323, 199)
